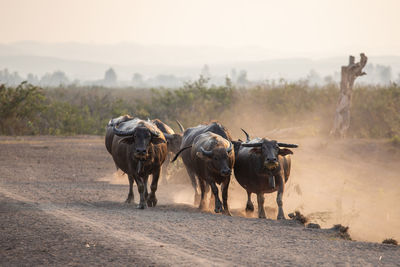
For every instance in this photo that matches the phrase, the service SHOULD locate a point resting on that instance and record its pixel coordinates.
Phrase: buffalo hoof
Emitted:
(249, 207)
(262, 215)
(218, 209)
(129, 199)
(152, 202)
(227, 212)
(142, 206)
(281, 217)
(202, 205)
(197, 199)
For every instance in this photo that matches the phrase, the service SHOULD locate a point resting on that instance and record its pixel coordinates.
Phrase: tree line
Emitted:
(27, 109)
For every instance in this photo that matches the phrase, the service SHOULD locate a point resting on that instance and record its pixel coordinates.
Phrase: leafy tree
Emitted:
(205, 72)
(242, 78)
(137, 79)
(384, 74)
(20, 108)
(11, 79)
(57, 78)
(110, 77)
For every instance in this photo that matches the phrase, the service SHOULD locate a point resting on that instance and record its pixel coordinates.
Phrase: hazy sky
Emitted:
(303, 28)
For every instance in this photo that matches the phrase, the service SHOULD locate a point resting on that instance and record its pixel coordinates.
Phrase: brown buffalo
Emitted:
(109, 129)
(174, 141)
(138, 148)
(188, 137)
(263, 166)
(211, 158)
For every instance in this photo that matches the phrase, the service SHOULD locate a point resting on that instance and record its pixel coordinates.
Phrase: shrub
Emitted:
(390, 241)
(70, 110)
(20, 108)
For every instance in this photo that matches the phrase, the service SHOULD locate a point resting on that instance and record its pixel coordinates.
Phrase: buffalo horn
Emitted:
(124, 139)
(156, 134)
(252, 145)
(179, 152)
(180, 126)
(205, 152)
(287, 145)
(247, 135)
(122, 133)
(229, 149)
(168, 136)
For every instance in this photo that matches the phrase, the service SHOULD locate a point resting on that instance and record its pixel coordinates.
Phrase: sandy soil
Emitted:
(61, 203)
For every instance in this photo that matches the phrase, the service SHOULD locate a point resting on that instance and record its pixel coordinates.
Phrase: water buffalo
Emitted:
(263, 166)
(138, 148)
(188, 137)
(211, 158)
(174, 141)
(109, 129)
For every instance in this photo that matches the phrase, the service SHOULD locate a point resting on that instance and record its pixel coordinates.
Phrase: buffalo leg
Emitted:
(194, 184)
(281, 184)
(152, 200)
(141, 189)
(249, 205)
(211, 202)
(146, 191)
(164, 169)
(224, 189)
(130, 194)
(218, 204)
(260, 202)
(202, 184)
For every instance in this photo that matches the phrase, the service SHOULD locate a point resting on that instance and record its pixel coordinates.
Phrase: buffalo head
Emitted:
(270, 149)
(219, 158)
(174, 141)
(140, 137)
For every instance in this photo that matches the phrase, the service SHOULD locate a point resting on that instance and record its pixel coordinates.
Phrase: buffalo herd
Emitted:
(210, 155)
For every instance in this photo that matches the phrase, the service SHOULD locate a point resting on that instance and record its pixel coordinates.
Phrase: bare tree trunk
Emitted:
(350, 72)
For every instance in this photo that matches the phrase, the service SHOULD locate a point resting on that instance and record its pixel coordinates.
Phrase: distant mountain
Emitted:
(90, 61)
(135, 54)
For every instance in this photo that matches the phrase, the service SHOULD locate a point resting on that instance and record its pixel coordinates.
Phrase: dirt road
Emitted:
(57, 208)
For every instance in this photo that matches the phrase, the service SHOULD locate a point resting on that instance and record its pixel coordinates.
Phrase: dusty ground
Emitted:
(62, 204)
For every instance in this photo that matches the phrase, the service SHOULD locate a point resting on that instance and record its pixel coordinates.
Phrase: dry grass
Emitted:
(297, 216)
(342, 231)
(390, 241)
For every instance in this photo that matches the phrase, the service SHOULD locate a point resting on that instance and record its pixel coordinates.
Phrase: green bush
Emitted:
(395, 141)
(27, 109)
(20, 108)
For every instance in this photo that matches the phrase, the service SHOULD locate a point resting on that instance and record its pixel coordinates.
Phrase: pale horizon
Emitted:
(267, 39)
(315, 29)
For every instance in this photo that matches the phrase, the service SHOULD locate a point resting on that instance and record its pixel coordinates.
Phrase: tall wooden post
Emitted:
(350, 72)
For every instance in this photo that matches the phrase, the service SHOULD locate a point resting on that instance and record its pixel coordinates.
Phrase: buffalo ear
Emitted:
(284, 151)
(200, 155)
(236, 145)
(126, 140)
(256, 150)
(157, 140)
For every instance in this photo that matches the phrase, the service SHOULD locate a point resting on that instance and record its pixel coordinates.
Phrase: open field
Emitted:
(62, 203)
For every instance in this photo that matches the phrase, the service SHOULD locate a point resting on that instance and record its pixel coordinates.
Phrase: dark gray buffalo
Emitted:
(174, 141)
(211, 158)
(263, 166)
(138, 148)
(109, 129)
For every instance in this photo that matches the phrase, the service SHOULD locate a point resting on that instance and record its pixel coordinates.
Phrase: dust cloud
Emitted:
(352, 182)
